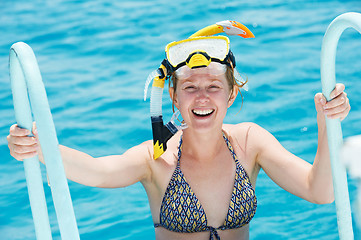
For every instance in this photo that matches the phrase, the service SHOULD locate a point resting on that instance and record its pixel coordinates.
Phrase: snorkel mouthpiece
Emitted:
(161, 134)
(197, 58)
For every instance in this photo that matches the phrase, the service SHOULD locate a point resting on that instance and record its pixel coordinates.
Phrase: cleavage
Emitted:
(213, 188)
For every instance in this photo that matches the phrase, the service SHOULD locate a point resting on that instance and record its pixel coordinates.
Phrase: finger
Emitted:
(21, 149)
(340, 116)
(15, 130)
(339, 100)
(335, 110)
(21, 140)
(339, 88)
(320, 98)
(35, 130)
(339, 113)
(320, 102)
(21, 157)
(348, 110)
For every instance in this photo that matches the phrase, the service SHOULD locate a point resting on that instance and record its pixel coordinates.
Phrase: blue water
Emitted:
(95, 56)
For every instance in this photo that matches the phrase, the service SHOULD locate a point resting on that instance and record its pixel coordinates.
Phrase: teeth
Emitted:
(203, 112)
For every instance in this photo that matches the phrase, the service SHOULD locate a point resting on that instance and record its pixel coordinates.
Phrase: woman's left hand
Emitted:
(338, 107)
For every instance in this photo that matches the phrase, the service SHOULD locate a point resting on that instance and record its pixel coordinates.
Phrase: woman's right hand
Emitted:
(21, 145)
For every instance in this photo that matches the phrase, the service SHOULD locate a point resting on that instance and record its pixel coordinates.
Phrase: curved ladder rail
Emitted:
(334, 132)
(26, 84)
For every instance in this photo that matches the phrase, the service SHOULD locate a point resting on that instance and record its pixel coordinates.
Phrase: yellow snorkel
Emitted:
(228, 27)
(196, 58)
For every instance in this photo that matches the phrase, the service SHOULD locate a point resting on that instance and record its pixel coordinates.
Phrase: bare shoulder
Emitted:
(142, 152)
(246, 140)
(147, 148)
(247, 134)
(240, 126)
(245, 129)
(162, 168)
(168, 155)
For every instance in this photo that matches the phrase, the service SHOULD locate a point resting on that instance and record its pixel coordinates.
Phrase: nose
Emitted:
(202, 96)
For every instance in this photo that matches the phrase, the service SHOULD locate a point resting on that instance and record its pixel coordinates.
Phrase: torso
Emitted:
(212, 183)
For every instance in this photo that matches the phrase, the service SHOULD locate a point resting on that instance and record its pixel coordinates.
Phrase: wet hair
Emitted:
(231, 80)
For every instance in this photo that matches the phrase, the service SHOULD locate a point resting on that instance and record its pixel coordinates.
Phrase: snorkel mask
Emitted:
(201, 50)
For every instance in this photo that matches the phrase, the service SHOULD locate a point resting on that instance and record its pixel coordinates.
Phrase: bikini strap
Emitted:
(230, 147)
(179, 151)
(214, 233)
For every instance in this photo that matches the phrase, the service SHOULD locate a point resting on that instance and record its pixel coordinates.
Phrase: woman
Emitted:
(202, 185)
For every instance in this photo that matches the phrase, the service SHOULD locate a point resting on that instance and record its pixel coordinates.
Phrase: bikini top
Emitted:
(182, 212)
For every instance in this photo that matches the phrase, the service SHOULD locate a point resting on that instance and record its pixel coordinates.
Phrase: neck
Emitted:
(202, 146)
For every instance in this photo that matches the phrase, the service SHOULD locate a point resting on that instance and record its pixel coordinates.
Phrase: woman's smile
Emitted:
(202, 112)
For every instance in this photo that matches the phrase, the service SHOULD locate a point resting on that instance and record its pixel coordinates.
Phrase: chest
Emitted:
(208, 204)
(213, 187)
(213, 191)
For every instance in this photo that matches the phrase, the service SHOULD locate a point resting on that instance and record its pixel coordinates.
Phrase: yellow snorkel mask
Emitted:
(201, 50)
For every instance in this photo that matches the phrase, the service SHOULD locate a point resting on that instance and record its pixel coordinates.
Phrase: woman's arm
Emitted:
(310, 182)
(110, 171)
(321, 174)
(106, 172)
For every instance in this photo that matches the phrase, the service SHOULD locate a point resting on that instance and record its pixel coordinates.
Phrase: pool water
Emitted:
(95, 56)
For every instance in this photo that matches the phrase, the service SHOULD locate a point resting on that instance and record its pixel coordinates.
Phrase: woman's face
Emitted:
(202, 100)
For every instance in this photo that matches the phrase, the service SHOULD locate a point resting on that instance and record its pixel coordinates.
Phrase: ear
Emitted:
(173, 96)
(233, 96)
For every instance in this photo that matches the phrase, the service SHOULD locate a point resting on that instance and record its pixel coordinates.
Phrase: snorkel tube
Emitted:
(162, 133)
(231, 28)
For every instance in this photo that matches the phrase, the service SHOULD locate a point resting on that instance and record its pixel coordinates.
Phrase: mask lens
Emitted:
(215, 46)
(213, 69)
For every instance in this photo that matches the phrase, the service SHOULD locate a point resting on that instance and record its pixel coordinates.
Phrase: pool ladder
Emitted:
(334, 132)
(26, 84)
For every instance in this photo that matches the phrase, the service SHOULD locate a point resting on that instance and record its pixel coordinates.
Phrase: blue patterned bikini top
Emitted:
(182, 212)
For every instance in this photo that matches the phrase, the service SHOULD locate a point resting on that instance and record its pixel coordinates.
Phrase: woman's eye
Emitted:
(190, 88)
(214, 87)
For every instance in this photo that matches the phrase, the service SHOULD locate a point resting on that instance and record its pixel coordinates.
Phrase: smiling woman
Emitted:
(202, 98)
(95, 57)
(201, 50)
(200, 183)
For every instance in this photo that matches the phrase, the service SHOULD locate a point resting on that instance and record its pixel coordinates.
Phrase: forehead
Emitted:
(213, 69)
(203, 78)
